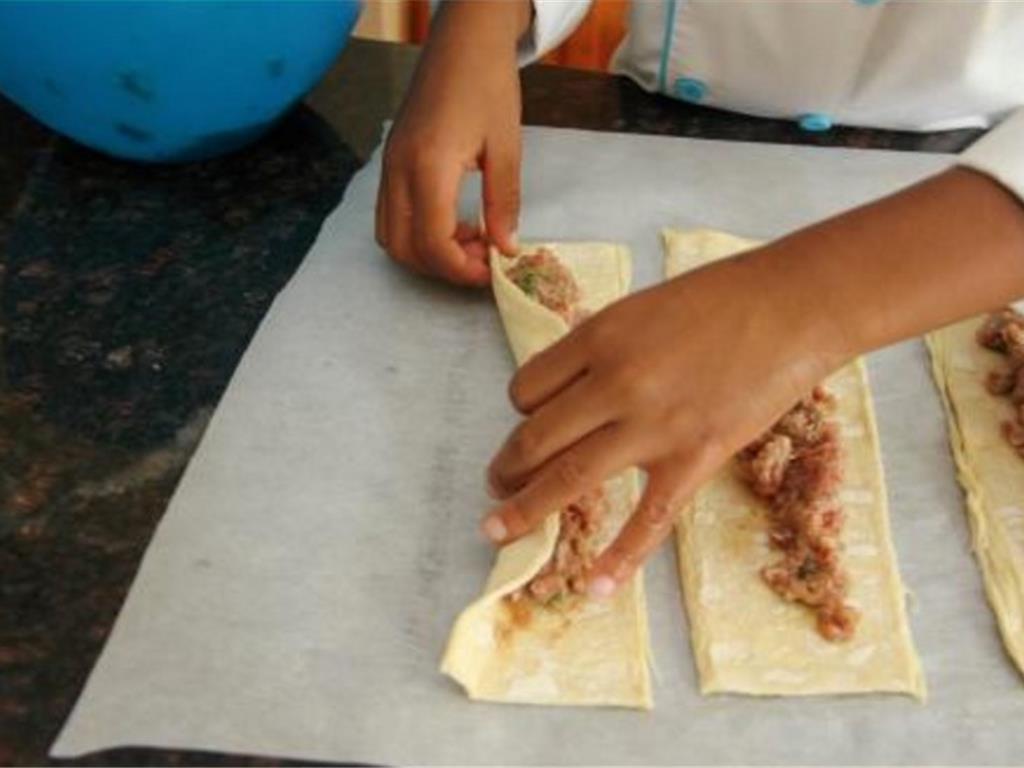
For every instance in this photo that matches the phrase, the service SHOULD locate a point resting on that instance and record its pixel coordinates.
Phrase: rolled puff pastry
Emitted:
(582, 652)
(990, 471)
(746, 639)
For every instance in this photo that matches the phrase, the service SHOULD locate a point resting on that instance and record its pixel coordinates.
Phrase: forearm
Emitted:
(941, 250)
(472, 24)
(466, 36)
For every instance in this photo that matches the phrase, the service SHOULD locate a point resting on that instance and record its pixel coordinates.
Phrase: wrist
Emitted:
(883, 272)
(813, 336)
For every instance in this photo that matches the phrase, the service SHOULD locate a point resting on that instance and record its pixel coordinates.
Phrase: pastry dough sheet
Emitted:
(583, 652)
(746, 639)
(989, 470)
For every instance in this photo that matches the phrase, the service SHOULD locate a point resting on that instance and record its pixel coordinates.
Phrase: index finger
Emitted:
(560, 482)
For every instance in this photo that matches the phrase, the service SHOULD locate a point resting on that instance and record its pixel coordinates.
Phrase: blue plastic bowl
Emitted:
(168, 80)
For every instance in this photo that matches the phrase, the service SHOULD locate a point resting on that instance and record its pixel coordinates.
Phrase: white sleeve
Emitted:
(553, 21)
(1000, 153)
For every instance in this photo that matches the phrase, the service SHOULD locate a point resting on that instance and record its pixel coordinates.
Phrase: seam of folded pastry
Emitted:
(1001, 600)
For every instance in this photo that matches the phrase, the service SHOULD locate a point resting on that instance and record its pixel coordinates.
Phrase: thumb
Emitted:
(501, 167)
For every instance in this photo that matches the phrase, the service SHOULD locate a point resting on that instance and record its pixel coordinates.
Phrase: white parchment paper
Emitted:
(299, 591)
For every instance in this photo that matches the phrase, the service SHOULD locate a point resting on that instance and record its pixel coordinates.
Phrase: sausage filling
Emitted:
(546, 280)
(566, 571)
(795, 467)
(1003, 332)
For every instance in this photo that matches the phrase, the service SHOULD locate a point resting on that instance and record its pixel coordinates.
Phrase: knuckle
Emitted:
(700, 437)
(682, 426)
(517, 516)
(410, 157)
(429, 247)
(425, 163)
(695, 434)
(501, 213)
(495, 481)
(659, 511)
(630, 383)
(569, 472)
(525, 445)
(625, 567)
(595, 334)
(517, 394)
(399, 252)
(445, 268)
(393, 156)
(434, 253)
(621, 561)
(504, 199)
(514, 189)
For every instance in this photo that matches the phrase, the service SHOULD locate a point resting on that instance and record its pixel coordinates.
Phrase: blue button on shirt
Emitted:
(691, 89)
(815, 122)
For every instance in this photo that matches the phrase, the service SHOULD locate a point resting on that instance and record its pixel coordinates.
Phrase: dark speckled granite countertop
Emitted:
(127, 296)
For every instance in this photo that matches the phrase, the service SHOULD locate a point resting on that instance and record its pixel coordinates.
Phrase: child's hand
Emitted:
(461, 113)
(678, 378)
(674, 380)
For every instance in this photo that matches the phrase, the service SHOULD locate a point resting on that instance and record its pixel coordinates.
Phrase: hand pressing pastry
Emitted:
(535, 636)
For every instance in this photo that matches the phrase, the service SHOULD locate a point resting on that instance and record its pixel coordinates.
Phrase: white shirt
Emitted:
(919, 65)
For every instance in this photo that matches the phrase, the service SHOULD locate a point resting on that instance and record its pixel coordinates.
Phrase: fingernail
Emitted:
(601, 587)
(493, 528)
